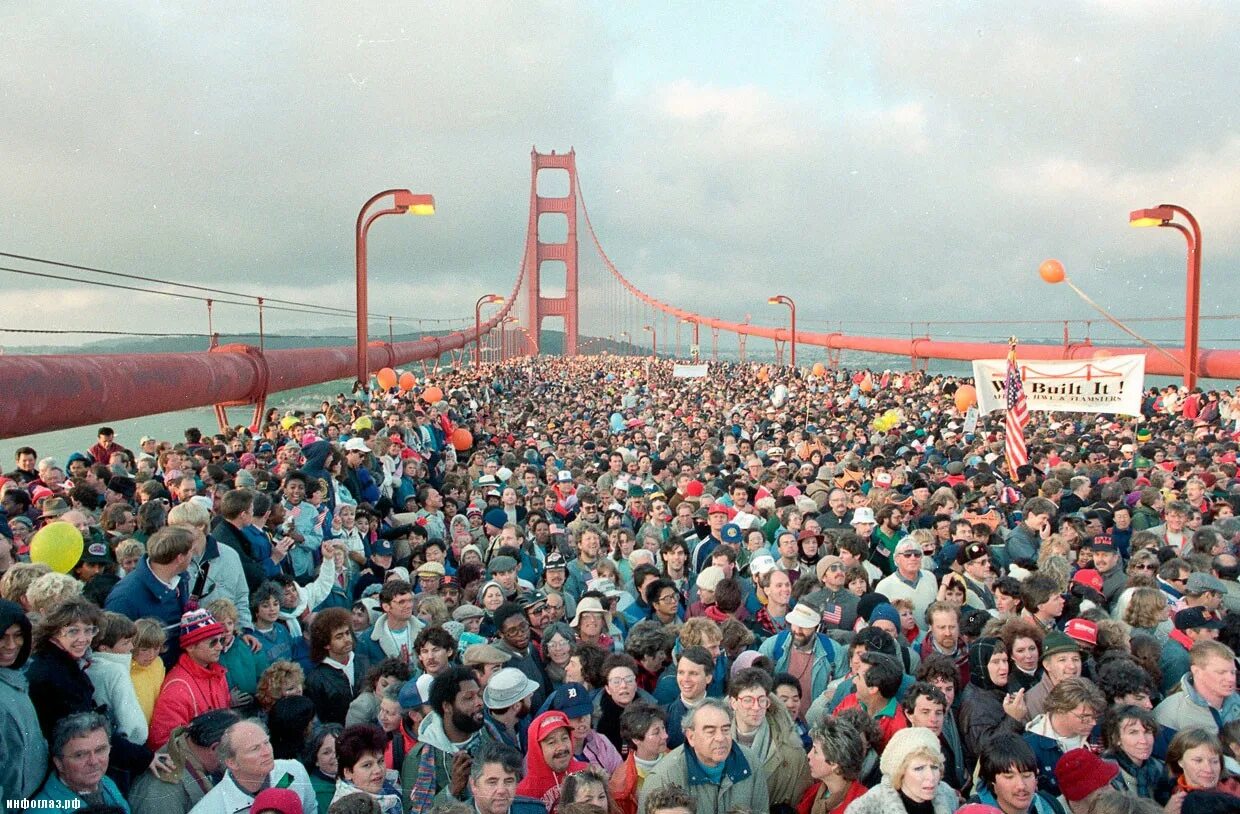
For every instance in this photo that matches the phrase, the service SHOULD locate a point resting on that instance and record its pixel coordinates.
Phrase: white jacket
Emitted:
(109, 672)
(228, 798)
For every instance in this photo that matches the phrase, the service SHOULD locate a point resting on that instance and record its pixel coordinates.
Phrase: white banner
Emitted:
(1110, 385)
(689, 371)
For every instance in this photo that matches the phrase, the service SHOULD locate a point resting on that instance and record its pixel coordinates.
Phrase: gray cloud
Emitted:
(939, 159)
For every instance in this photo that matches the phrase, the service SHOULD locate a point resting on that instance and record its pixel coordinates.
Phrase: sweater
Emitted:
(146, 683)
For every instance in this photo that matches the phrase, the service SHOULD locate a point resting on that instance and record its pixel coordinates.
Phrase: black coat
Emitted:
(59, 687)
(329, 689)
(229, 535)
(981, 718)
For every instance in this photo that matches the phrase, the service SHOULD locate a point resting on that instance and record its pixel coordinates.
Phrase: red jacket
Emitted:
(189, 690)
(806, 806)
(540, 781)
(623, 786)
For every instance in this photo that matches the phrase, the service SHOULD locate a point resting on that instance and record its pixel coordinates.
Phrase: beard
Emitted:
(465, 723)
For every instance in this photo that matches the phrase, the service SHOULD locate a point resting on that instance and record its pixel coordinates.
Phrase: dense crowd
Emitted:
(584, 585)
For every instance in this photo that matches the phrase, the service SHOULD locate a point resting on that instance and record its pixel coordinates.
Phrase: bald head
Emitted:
(1227, 566)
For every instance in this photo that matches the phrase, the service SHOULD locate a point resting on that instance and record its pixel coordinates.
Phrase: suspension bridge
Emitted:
(56, 391)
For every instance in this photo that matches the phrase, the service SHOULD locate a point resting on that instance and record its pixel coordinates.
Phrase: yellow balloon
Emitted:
(57, 545)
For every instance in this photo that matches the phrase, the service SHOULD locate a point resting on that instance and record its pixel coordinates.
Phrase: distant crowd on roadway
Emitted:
(586, 586)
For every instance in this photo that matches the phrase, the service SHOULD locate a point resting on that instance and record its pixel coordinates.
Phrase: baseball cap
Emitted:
(356, 445)
(547, 723)
(502, 563)
(1089, 577)
(573, 700)
(730, 533)
(803, 615)
(1194, 618)
(555, 562)
(1102, 542)
(1082, 631)
(971, 552)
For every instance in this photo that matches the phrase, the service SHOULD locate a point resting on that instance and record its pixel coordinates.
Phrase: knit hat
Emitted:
(1208, 801)
(197, 626)
(1056, 642)
(885, 611)
(902, 746)
(495, 517)
(285, 801)
(1080, 773)
(980, 653)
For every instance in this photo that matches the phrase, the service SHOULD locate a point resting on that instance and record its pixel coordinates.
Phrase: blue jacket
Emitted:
(1042, 803)
(1047, 752)
(141, 594)
(55, 790)
(827, 658)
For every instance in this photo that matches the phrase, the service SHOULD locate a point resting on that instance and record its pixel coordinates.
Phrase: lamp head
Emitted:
(415, 204)
(772, 300)
(1157, 216)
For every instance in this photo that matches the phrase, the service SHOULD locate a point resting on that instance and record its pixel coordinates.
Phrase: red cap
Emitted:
(694, 488)
(1080, 773)
(1082, 631)
(1088, 577)
(719, 508)
(547, 723)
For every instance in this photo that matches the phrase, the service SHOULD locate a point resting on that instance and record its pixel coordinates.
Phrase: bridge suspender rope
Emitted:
(1216, 364)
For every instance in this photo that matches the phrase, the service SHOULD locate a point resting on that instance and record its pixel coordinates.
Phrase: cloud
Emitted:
(902, 162)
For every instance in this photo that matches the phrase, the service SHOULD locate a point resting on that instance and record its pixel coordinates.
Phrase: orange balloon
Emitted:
(1051, 271)
(407, 381)
(387, 378)
(764, 375)
(462, 439)
(867, 384)
(432, 395)
(966, 397)
(819, 369)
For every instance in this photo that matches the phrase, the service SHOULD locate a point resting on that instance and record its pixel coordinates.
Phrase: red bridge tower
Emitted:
(537, 252)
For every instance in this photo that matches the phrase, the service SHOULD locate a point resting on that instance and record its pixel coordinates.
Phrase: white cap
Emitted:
(356, 445)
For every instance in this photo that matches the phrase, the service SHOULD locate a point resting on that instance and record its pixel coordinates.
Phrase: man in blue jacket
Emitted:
(159, 586)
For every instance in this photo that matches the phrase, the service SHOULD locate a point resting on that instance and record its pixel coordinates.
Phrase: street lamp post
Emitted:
(654, 340)
(503, 337)
(782, 299)
(1163, 215)
(484, 299)
(403, 201)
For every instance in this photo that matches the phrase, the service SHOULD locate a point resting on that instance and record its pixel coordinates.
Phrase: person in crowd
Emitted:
(1061, 660)
(23, 749)
(619, 674)
(319, 758)
(693, 670)
(763, 725)
(81, 744)
(339, 672)
(195, 767)
(197, 683)
(438, 768)
(550, 758)
(588, 746)
(1207, 696)
(1008, 778)
(644, 729)
(988, 706)
(1072, 710)
(1129, 733)
(360, 767)
(835, 763)
(250, 767)
(719, 773)
(912, 767)
(1195, 759)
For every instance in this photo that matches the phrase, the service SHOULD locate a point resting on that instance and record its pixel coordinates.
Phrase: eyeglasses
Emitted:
(916, 555)
(622, 681)
(76, 632)
(1143, 566)
(100, 752)
(1085, 717)
(753, 700)
(218, 641)
(667, 598)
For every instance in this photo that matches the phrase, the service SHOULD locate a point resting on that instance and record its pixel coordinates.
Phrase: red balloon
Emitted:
(966, 397)
(386, 378)
(407, 381)
(462, 439)
(1051, 271)
(858, 378)
(432, 395)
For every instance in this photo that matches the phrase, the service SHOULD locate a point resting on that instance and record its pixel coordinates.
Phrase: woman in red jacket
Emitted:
(197, 683)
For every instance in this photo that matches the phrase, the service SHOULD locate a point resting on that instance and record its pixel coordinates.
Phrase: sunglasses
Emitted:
(916, 555)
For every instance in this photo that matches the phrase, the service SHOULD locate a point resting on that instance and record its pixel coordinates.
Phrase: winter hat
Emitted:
(1056, 642)
(12, 614)
(902, 746)
(979, 657)
(886, 612)
(1080, 773)
(197, 626)
(1208, 801)
(285, 801)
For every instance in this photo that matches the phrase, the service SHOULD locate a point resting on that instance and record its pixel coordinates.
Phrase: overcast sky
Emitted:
(878, 160)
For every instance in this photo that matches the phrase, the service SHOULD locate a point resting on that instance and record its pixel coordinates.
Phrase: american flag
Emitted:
(832, 614)
(1016, 418)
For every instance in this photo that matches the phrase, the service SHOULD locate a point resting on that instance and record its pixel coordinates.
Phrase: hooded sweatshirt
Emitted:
(540, 781)
(23, 751)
